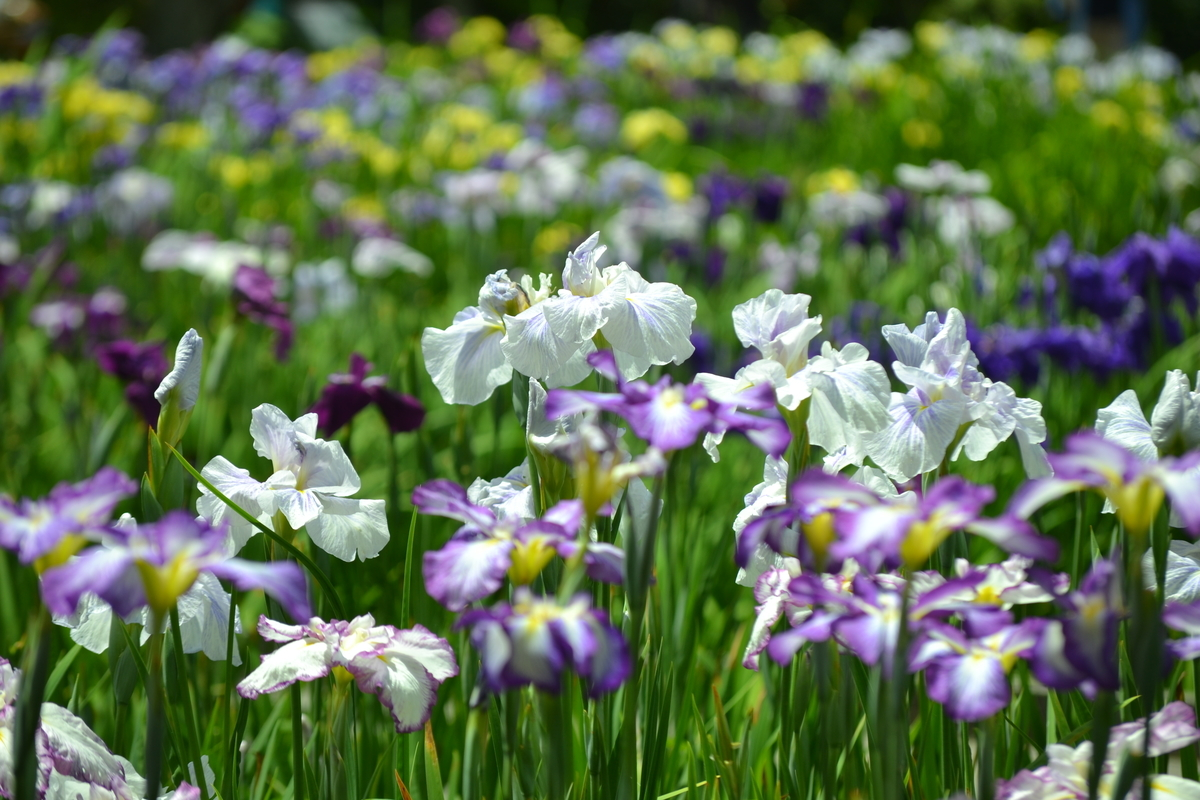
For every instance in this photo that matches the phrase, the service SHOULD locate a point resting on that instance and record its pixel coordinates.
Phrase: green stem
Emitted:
(986, 731)
(297, 744)
(227, 706)
(558, 743)
(29, 706)
(156, 716)
(189, 715)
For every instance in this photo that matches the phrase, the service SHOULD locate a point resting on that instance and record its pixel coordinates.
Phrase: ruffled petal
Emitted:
(466, 361)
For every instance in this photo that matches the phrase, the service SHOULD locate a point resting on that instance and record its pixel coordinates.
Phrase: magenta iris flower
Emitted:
(671, 416)
(33, 528)
(347, 394)
(475, 561)
(157, 563)
(254, 291)
(533, 640)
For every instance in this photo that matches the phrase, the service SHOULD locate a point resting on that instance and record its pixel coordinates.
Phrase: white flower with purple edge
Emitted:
(403, 668)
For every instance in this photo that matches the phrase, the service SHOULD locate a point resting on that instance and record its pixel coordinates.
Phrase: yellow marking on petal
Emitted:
(342, 675)
(166, 584)
(529, 559)
(1137, 503)
(68, 546)
(988, 595)
(820, 534)
(922, 539)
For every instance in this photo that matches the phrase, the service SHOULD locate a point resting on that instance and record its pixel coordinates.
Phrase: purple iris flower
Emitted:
(889, 531)
(347, 394)
(141, 367)
(970, 676)
(813, 100)
(671, 416)
(534, 639)
(769, 194)
(1182, 273)
(1080, 649)
(1135, 488)
(82, 511)
(1057, 253)
(723, 192)
(473, 564)
(157, 563)
(254, 292)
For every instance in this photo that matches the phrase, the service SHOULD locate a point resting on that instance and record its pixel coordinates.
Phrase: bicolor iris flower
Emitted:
(403, 668)
(1079, 650)
(533, 640)
(474, 563)
(156, 564)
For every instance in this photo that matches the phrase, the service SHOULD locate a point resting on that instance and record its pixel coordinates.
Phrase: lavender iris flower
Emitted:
(347, 394)
(141, 367)
(535, 638)
(670, 416)
(1136, 488)
(62, 522)
(403, 668)
(153, 565)
(473, 564)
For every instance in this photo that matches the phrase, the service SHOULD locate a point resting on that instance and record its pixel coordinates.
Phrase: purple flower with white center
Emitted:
(153, 565)
(254, 291)
(1135, 488)
(671, 416)
(403, 668)
(1080, 649)
(970, 676)
(311, 485)
(474, 563)
(905, 529)
(63, 521)
(141, 367)
(347, 394)
(535, 638)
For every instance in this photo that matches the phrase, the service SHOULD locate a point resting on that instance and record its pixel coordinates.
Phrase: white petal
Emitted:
(91, 624)
(576, 319)
(304, 660)
(916, 439)
(236, 484)
(531, 347)
(183, 381)
(347, 528)
(325, 468)
(300, 507)
(465, 361)
(204, 619)
(1124, 423)
(649, 320)
(274, 435)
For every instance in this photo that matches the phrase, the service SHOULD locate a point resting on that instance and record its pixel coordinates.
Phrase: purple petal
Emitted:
(403, 413)
(971, 688)
(1016, 535)
(108, 573)
(443, 498)
(283, 580)
(464, 571)
(605, 362)
(339, 403)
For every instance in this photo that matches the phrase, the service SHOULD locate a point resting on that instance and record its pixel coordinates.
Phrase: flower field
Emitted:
(652, 415)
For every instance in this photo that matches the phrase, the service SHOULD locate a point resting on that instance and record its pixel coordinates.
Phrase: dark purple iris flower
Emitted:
(723, 191)
(769, 194)
(141, 367)
(254, 292)
(1080, 650)
(347, 394)
(522, 36)
(814, 101)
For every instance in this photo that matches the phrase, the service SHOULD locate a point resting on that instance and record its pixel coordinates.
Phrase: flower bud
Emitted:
(179, 391)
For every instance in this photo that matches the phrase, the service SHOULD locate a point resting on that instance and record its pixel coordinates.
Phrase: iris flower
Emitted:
(347, 394)
(403, 668)
(65, 520)
(849, 393)
(474, 563)
(154, 565)
(951, 408)
(535, 638)
(670, 416)
(1135, 488)
(1080, 649)
(311, 484)
(548, 335)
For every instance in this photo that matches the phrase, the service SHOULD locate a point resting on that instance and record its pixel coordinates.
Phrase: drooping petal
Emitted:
(921, 429)
(236, 484)
(648, 321)
(108, 573)
(349, 528)
(532, 347)
(969, 687)
(1123, 422)
(405, 675)
(466, 361)
(302, 660)
(464, 571)
(283, 580)
(444, 498)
